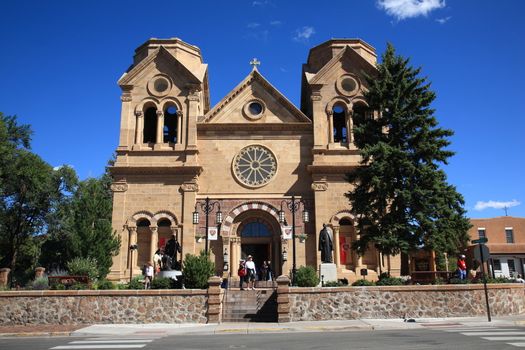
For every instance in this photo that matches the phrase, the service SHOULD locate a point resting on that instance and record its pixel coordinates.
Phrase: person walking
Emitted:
(250, 267)
(462, 267)
(241, 272)
(264, 271)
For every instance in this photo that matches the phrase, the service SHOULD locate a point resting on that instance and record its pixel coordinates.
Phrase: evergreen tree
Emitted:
(401, 198)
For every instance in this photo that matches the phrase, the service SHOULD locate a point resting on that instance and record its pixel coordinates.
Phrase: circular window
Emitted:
(254, 109)
(159, 85)
(347, 85)
(254, 166)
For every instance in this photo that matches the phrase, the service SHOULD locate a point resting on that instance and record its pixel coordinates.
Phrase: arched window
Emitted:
(255, 229)
(164, 223)
(345, 222)
(340, 129)
(170, 125)
(150, 125)
(143, 223)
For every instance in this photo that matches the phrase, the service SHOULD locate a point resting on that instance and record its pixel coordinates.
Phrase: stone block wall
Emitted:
(98, 306)
(307, 304)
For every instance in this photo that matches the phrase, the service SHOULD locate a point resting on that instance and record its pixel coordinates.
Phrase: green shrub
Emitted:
(105, 284)
(197, 271)
(83, 267)
(456, 280)
(499, 280)
(306, 276)
(58, 286)
(41, 283)
(136, 283)
(333, 284)
(121, 286)
(162, 283)
(362, 283)
(78, 286)
(390, 281)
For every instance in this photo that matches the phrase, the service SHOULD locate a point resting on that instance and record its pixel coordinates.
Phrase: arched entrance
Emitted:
(259, 235)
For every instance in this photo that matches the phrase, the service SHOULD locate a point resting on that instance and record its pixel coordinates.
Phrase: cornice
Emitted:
(333, 168)
(233, 127)
(155, 170)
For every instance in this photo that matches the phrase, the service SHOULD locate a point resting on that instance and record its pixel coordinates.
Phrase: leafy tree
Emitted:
(197, 270)
(401, 198)
(81, 227)
(29, 190)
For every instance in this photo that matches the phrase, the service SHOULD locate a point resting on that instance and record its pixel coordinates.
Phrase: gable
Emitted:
(243, 102)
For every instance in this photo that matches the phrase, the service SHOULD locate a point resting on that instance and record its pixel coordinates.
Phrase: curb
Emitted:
(36, 334)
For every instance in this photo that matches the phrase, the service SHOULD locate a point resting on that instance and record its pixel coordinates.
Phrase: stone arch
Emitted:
(339, 100)
(171, 101)
(342, 214)
(228, 221)
(166, 214)
(146, 103)
(143, 214)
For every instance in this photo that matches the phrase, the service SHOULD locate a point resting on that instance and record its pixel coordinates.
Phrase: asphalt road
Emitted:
(499, 338)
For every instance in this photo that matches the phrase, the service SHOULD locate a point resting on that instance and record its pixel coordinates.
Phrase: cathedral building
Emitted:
(243, 177)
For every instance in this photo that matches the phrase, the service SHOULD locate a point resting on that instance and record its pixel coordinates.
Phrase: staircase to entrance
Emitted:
(259, 305)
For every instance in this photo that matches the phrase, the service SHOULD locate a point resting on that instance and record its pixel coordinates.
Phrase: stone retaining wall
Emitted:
(306, 304)
(104, 306)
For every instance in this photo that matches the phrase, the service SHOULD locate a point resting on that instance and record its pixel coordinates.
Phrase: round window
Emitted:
(254, 166)
(348, 84)
(161, 85)
(255, 108)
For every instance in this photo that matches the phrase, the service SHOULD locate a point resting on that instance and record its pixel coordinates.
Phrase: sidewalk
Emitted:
(156, 329)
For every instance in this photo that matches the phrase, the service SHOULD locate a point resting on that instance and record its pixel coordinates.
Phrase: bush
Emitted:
(162, 283)
(197, 271)
(363, 283)
(455, 280)
(83, 267)
(136, 283)
(306, 276)
(499, 280)
(78, 286)
(390, 281)
(105, 285)
(58, 286)
(40, 283)
(333, 284)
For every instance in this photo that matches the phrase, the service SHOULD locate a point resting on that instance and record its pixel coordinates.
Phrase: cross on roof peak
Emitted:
(254, 63)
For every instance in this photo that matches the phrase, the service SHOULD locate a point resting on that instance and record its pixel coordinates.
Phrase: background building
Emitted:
(251, 152)
(506, 242)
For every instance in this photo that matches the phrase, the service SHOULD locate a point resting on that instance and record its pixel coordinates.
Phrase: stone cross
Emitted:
(255, 63)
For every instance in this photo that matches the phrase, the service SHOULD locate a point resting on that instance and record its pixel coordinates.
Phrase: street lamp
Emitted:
(293, 206)
(207, 207)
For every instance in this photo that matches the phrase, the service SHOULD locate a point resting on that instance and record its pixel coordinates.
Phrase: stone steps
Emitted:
(259, 305)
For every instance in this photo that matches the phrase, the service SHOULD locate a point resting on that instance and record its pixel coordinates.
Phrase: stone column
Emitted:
(193, 104)
(126, 119)
(337, 247)
(132, 263)
(349, 125)
(39, 272)
(330, 126)
(159, 139)
(214, 299)
(283, 299)
(4, 276)
(187, 237)
(154, 243)
(179, 127)
(319, 117)
(139, 128)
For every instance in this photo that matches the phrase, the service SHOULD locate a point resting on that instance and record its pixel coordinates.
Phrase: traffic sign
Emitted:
(480, 240)
(482, 254)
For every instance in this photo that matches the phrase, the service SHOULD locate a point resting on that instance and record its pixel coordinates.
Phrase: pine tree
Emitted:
(401, 198)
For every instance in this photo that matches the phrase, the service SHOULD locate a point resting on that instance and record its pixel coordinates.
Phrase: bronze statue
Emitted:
(326, 245)
(170, 254)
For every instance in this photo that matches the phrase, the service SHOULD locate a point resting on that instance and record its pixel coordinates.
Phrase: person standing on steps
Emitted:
(462, 267)
(241, 272)
(250, 267)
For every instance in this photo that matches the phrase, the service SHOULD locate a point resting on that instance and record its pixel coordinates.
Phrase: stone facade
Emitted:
(308, 304)
(251, 153)
(88, 307)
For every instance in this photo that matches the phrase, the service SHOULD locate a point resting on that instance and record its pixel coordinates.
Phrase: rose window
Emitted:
(254, 166)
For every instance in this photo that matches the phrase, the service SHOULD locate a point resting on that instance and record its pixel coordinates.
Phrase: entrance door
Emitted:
(259, 241)
(259, 252)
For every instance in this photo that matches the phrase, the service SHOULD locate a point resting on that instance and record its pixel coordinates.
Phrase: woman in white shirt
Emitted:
(250, 266)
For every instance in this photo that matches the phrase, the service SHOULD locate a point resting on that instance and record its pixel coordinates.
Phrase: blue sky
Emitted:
(60, 61)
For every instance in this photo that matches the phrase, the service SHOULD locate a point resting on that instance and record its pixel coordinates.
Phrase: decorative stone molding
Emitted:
(119, 187)
(319, 186)
(316, 96)
(160, 113)
(139, 113)
(126, 98)
(189, 187)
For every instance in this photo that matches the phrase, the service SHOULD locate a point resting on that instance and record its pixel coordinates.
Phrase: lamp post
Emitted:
(293, 206)
(131, 249)
(207, 207)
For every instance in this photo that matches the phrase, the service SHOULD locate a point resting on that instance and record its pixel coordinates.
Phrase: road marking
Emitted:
(110, 341)
(116, 346)
(519, 345)
(480, 329)
(503, 338)
(493, 333)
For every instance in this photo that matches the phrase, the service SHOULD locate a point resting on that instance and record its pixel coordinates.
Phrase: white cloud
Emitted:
(443, 20)
(58, 167)
(275, 23)
(252, 25)
(260, 3)
(480, 205)
(303, 34)
(402, 9)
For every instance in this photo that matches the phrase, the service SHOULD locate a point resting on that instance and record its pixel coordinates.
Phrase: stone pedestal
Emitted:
(214, 299)
(283, 300)
(170, 274)
(39, 272)
(4, 276)
(328, 271)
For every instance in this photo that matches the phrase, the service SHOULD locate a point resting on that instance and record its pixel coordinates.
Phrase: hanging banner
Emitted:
(287, 232)
(213, 233)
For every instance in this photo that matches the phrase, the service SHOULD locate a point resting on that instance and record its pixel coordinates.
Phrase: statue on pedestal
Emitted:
(169, 260)
(326, 245)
